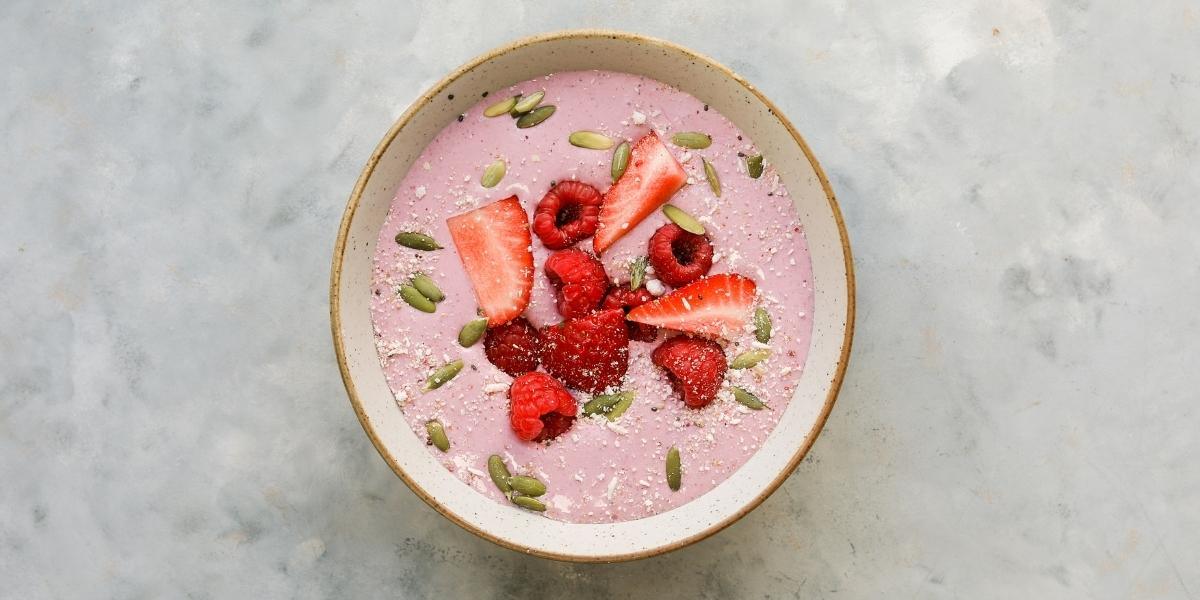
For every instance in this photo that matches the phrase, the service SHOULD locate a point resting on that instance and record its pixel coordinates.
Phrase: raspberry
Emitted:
(695, 367)
(579, 281)
(679, 257)
(540, 408)
(588, 353)
(513, 347)
(569, 212)
(622, 297)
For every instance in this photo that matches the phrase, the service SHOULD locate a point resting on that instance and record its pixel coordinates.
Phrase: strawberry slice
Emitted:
(717, 305)
(652, 177)
(494, 245)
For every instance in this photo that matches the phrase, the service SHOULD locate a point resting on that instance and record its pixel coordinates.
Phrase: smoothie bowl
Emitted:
(592, 297)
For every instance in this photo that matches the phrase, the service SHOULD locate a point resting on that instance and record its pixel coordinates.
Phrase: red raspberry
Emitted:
(620, 296)
(579, 281)
(569, 212)
(513, 347)
(540, 408)
(588, 353)
(695, 367)
(679, 257)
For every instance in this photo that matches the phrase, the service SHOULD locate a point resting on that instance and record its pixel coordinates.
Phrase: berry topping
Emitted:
(695, 367)
(513, 347)
(717, 305)
(622, 297)
(493, 244)
(652, 177)
(679, 257)
(540, 408)
(569, 212)
(587, 353)
(579, 281)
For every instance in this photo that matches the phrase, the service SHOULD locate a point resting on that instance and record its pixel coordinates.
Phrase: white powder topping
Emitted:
(655, 287)
(638, 118)
(419, 192)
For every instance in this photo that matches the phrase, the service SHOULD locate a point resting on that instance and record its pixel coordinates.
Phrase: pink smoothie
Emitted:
(599, 471)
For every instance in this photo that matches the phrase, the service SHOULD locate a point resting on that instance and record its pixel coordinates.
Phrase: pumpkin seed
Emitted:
(710, 173)
(674, 469)
(745, 398)
(687, 222)
(499, 473)
(528, 103)
(502, 107)
(620, 160)
(535, 117)
(692, 139)
(437, 435)
(529, 503)
(493, 174)
(754, 166)
(444, 373)
(590, 140)
(637, 272)
(607, 404)
(417, 241)
(762, 325)
(472, 331)
(427, 287)
(748, 359)
(526, 485)
(414, 298)
(622, 405)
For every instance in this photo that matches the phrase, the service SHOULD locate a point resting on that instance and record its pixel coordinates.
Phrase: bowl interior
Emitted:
(832, 318)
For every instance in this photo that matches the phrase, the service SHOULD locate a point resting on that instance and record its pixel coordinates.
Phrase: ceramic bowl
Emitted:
(833, 281)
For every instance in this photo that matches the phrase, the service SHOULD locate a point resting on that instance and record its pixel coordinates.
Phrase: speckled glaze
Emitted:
(597, 472)
(832, 315)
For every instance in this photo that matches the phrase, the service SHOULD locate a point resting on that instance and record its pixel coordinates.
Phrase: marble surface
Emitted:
(1021, 187)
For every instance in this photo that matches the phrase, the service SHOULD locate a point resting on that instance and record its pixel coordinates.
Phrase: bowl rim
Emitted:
(339, 252)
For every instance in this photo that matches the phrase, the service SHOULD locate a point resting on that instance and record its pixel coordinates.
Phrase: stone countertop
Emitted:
(1021, 188)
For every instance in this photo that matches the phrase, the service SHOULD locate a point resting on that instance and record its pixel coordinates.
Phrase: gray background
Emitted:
(1019, 180)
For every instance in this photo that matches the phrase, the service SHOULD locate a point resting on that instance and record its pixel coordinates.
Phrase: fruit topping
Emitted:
(716, 305)
(579, 281)
(679, 257)
(569, 212)
(588, 353)
(695, 366)
(540, 408)
(513, 347)
(493, 244)
(650, 179)
(620, 296)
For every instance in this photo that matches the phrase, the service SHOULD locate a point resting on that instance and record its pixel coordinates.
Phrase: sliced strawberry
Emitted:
(717, 305)
(652, 177)
(494, 245)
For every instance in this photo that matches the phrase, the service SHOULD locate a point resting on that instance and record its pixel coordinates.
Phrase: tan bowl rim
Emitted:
(339, 251)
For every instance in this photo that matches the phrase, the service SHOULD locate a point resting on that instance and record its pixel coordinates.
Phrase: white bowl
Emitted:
(833, 280)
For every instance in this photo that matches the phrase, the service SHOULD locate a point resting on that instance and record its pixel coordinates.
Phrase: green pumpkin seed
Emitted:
(493, 174)
(416, 299)
(427, 287)
(526, 485)
(607, 404)
(745, 398)
(502, 107)
(748, 359)
(692, 139)
(674, 469)
(687, 222)
(527, 103)
(710, 173)
(528, 503)
(417, 241)
(762, 325)
(622, 405)
(754, 166)
(437, 435)
(444, 373)
(590, 140)
(535, 117)
(472, 331)
(620, 160)
(499, 473)
(637, 272)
